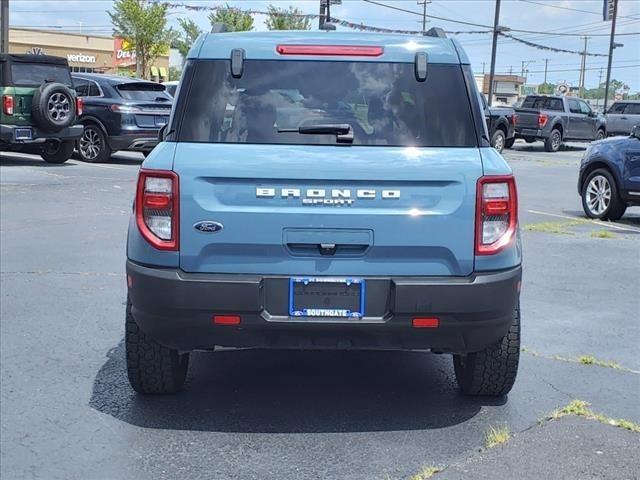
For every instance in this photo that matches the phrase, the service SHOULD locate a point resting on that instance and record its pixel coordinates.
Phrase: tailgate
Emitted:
(309, 210)
(527, 118)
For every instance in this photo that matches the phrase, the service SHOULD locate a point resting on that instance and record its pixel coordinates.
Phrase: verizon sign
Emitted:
(81, 58)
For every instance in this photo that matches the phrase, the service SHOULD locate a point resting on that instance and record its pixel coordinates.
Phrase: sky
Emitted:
(579, 17)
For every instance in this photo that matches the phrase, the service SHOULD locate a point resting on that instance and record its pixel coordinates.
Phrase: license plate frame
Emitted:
(317, 312)
(24, 134)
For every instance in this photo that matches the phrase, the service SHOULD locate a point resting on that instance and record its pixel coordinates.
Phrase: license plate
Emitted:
(23, 134)
(161, 121)
(326, 297)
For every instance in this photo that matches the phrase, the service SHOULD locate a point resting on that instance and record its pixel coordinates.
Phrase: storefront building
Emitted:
(85, 53)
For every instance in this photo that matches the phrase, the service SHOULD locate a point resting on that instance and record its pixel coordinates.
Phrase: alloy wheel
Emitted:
(59, 107)
(598, 195)
(555, 140)
(90, 143)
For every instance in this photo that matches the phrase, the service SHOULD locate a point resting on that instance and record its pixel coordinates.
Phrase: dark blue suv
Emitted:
(120, 113)
(609, 179)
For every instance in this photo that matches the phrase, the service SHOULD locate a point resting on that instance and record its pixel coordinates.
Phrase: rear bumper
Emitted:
(521, 132)
(176, 309)
(135, 140)
(16, 133)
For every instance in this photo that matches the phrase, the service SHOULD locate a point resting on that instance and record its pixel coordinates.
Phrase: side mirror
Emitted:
(162, 132)
(635, 131)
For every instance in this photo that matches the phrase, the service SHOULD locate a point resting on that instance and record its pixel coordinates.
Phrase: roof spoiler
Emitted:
(436, 32)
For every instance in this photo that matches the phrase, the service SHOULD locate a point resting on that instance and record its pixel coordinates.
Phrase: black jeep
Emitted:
(39, 106)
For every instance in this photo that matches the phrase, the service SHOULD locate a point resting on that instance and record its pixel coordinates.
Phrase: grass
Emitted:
(560, 228)
(425, 473)
(581, 408)
(497, 436)
(603, 234)
(582, 359)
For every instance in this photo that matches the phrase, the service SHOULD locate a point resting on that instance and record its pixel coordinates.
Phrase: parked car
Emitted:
(501, 123)
(382, 223)
(555, 119)
(120, 113)
(622, 117)
(39, 106)
(171, 87)
(609, 179)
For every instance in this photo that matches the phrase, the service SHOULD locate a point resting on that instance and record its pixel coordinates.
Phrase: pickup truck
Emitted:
(555, 119)
(501, 123)
(317, 191)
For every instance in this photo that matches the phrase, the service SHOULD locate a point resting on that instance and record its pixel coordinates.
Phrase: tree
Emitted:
(234, 19)
(547, 88)
(143, 26)
(287, 19)
(174, 73)
(190, 32)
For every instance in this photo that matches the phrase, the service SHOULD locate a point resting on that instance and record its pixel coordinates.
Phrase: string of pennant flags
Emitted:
(367, 28)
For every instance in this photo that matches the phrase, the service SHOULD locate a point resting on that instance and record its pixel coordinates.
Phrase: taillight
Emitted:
(79, 105)
(7, 104)
(543, 118)
(124, 108)
(333, 50)
(496, 213)
(514, 119)
(157, 208)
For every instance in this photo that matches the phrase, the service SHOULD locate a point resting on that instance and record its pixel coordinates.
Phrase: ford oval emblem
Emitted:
(208, 227)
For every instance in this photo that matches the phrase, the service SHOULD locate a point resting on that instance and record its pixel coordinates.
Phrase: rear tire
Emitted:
(553, 141)
(509, 142)
(93, 146)
(600, 135)
(498, 140)
(56, 151)
(492, 371)
(152, 368)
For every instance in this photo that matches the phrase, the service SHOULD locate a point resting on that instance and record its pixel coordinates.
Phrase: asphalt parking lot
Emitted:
(67, 411)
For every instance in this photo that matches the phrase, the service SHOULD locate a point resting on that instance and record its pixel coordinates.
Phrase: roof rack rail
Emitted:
(436, 32)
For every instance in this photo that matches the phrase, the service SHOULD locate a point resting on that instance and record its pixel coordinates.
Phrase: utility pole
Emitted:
(546, 61)
(322, 13)
(424, 14)
(612, 45)
(494, 44)
(583, 66)
(524, 69)
(483, 64)
(4, 26)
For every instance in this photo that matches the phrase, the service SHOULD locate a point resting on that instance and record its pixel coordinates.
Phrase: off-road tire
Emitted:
(55, 151)
(616, 207)
(152, 368)
(509, 142)
(492, 371)
(498, 140)
(44, 109)
(93, 137)
(553, 142)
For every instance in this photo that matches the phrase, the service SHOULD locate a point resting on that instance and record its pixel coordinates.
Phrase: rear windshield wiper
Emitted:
(342, 131)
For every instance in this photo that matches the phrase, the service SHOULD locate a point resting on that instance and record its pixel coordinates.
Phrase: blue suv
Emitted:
(325, 191)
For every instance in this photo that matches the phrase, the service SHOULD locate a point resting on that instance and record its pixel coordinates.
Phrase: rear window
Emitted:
(383, 103)
(35, 74)
(143, 91)
(543, 103)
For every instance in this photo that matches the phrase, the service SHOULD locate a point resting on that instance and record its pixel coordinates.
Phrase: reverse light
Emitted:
(79, 105)
(157, 208)
(496, 213)
(543, 118)
(334, 50)
(7, 104)
(124, 108)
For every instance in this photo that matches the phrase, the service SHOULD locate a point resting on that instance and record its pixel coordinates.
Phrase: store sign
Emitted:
(81, 58)
(35, 51)
(122, 54)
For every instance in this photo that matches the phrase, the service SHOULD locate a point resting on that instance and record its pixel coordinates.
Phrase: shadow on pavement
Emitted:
(629, 219)
(294, 392)
(8, 159)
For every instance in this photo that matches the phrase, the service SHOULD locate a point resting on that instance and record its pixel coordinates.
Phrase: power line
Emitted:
(567, 8)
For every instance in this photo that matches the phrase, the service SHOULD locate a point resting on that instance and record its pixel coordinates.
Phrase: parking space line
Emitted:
(596, 222)
(95, 165)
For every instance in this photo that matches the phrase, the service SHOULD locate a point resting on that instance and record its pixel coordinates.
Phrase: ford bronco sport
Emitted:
(325, 190)
(39, 106)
